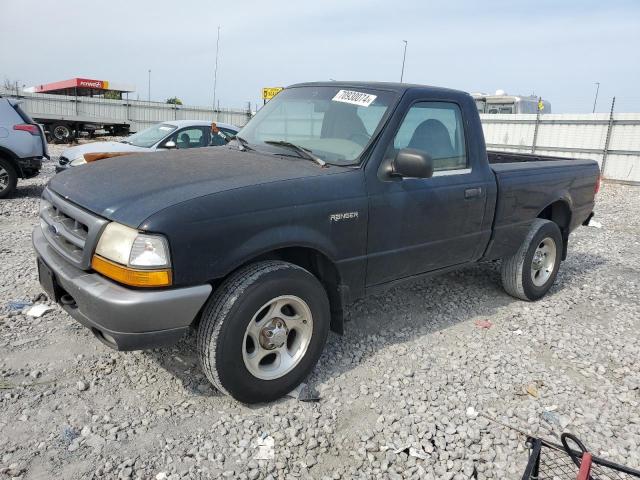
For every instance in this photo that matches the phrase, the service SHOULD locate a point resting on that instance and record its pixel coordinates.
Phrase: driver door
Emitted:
(418, 225)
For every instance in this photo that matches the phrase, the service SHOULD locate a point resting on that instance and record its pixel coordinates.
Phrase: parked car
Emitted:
(180, 134)
(22, 146)
(333, 190)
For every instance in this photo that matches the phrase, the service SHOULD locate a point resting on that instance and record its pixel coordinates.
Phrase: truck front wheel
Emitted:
(263, 330)
(530, 272)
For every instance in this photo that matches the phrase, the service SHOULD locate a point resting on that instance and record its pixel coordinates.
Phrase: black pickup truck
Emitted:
(331, 191)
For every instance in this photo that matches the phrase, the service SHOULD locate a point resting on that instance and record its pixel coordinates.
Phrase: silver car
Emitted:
(163, 136)
(22, 146)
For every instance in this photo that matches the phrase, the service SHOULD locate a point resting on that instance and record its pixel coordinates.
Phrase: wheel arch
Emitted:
(322, 267)
(315, 261)
(560, 213)
(11, 158)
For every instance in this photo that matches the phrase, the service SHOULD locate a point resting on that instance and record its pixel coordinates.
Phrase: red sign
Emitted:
(73, 83)
(88, 83)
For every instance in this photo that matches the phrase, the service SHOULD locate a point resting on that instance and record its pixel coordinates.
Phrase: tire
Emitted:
(8, 178)
(61, 132)
(524, 278)
(270, 301)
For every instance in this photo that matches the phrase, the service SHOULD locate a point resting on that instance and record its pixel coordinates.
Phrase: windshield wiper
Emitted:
(244, 145)
(303, 152)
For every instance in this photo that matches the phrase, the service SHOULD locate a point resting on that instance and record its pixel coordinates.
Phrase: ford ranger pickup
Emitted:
(332, 191)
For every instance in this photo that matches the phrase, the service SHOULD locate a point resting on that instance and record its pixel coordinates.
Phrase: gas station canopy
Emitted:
(83, 87)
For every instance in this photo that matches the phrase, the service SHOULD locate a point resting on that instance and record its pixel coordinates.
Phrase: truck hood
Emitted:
(100, 147)
(130, 189)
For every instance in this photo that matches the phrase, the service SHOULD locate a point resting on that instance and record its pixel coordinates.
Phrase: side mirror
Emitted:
(412, 163)
(170, 145)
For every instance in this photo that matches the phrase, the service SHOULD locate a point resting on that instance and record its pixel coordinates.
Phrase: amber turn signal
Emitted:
(130, 276)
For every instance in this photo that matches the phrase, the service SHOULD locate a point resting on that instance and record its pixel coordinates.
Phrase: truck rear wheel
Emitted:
(8, 178)
(263, 330)
(61, 132)
(530, 272)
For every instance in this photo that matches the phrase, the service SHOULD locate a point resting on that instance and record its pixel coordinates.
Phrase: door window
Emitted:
(437, 129)
(193, 137)
(219, 140)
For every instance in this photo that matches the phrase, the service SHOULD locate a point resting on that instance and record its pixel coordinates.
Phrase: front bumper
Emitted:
(122, 318)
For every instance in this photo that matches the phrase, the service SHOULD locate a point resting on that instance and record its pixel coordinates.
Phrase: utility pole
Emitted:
(404, 56)
(596, 99)
(149, 86)
(215, 72)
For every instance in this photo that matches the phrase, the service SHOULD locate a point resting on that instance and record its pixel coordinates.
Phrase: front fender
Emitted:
(272, 239)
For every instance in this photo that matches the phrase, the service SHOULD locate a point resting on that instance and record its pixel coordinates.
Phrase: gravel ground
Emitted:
(404, 394)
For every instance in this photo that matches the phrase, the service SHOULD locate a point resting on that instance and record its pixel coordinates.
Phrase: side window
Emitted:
(193, 137)
(437, 129)
(219, 140)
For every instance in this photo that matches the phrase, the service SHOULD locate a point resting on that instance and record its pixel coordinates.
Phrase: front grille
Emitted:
(71, 231)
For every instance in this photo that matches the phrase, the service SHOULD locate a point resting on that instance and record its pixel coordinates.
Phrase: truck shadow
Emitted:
(28, 191)
(396, 316)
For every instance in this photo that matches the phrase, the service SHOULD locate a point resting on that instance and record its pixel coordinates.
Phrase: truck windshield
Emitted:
(150, 136)
(335, 124)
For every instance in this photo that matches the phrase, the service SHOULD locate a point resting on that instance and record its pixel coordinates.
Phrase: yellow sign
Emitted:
(269, 92)
(540, 105)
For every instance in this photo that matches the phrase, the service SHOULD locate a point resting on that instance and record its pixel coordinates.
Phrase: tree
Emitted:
(174, 101)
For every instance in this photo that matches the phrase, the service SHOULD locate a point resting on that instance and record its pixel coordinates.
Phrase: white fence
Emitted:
(137, 114)
(613, 140)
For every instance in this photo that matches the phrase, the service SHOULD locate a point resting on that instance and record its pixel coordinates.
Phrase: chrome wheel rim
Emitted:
(543, 262)
(277, 337)
(4, 179)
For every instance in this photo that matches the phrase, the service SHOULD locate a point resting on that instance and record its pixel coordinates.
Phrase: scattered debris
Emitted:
(532, 389)
(38, 310)
(472, 412)
(550, 418)
(69, 434)
(483, 324)
(18, 305)
(304, 393)
(409, 450)
(593, 223)
(265, 448)
(41, 297)
(82, 386)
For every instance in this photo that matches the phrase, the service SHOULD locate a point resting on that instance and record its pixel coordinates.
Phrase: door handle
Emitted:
(472, 193)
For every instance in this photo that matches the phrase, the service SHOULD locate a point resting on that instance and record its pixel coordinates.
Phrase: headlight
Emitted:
(78, 161)
(133, 258)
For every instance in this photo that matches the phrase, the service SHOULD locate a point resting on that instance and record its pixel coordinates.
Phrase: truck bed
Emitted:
(526, 182)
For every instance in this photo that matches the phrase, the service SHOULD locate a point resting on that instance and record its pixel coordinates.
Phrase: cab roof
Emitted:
(388, 86)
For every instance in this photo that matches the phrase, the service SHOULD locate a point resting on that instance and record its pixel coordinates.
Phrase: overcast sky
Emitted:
(553, 48)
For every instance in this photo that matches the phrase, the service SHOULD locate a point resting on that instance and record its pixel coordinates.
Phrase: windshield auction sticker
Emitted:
(355, 98)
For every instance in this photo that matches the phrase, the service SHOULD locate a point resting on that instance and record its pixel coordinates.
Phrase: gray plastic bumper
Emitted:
(121, 317)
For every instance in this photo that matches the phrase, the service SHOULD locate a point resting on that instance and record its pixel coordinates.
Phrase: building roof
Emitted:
(81, 84)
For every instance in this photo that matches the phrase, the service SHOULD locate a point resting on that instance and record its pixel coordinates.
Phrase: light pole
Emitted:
(215, 72)
(149, 88)
(595, 100)
(404, 56)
